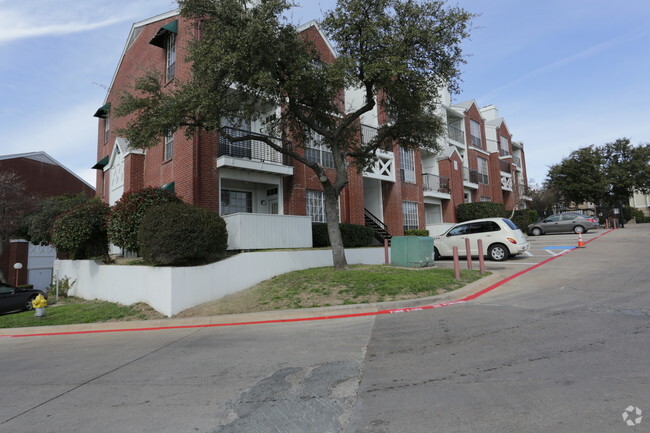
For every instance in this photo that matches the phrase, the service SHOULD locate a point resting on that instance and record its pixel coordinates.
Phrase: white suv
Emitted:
(501, 239)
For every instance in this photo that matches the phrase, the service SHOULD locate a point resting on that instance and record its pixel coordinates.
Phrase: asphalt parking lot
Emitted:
(541, 248)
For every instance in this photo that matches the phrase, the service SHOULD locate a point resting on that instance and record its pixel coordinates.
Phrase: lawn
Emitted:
(70, 310)
(320, 287)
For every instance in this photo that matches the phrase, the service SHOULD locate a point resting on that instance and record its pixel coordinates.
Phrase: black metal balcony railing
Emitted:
(456, 133)
(470, 175)
(505, 166)
(503, 152)
(367, 133)
(251, 149)
(431, 182)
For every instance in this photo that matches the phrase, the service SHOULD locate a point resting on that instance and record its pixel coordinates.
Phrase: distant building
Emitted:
(479, 160)
(43, 177)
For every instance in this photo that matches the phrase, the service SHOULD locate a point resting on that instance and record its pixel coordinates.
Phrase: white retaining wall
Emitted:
(171, 290)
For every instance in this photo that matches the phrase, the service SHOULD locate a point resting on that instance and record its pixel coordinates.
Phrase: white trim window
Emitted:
(171, 56)
(484, 198)
(483, 170)
(475, 133)
(107, 127)
(168, 151)
(317, 151)
(316, 206)
(505, 149)
(407, 165)
(410, 215)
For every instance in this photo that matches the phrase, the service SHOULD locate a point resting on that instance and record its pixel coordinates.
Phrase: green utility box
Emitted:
(411, 251)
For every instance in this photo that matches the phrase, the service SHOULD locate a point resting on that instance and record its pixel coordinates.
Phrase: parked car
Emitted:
(565, 222)
(501, 239)
(17, 298)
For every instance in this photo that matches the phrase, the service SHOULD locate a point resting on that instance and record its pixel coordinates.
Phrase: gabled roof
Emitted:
(136, 28)
(448, 152)
(465, 105)
(44, 158)
(314, 23)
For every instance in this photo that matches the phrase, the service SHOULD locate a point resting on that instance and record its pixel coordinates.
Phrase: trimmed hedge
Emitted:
(416, 232)
(523, 218)
(353, 235)
(82, 232)
(127, 214)
(181, 234)
(481, 209)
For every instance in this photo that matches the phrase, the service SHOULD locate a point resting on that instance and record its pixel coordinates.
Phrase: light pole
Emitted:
(17, 266)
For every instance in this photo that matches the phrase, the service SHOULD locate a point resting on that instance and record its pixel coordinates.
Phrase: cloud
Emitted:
(30, 30)
(595, 49)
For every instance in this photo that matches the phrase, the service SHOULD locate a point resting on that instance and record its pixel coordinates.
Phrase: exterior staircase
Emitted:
(381, 231)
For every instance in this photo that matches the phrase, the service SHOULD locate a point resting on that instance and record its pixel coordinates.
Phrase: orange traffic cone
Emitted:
(580, 243)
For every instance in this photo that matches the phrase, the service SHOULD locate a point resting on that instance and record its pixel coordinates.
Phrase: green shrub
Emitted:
(523, 218)
(126, 215)
(482, 209)
(416, 232)
(353, 235)
(39, 223)
(82, 232)
(630, 213)
(26, 286)
(181, 234)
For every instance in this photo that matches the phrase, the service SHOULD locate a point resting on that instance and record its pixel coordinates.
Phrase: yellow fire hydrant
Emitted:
(39, 303)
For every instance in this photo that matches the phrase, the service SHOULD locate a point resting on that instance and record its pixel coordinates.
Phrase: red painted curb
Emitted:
(311, 319)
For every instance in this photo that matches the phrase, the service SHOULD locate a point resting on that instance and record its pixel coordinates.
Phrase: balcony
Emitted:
(252, 154)
(503, 152)
(367, 133)
(436, 186)
(455, 133)
(517, 161)
(471, 177)
(524, 192)
(505, 166)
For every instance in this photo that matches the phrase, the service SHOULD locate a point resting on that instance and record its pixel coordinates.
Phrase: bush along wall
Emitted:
(181, 234)
(416, 232)
(353, 235)
(523, 218)
(482, 209)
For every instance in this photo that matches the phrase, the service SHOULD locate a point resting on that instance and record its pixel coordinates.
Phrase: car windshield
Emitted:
(510, 224)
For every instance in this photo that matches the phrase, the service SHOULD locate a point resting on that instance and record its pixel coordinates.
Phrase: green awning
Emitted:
(169, 187)
(159, 39)
(103, 111)
(101, 163)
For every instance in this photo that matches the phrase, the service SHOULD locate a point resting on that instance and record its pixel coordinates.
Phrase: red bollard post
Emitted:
(469, 253)
(456, 264)
(386, 251)
(481, 259)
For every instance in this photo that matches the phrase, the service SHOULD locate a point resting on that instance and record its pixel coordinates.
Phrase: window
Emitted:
(407, 165)
(168, 151)
(410, 215)
(107, 127)
(316, 206)
(505, 149)
(484, 227)
(483, 172)
(459, 231)
(171, 55)
(475, 133)
(317, 151)
(484, 198)
(236, 201)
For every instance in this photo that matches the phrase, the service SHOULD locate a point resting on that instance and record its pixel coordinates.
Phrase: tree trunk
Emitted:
(333, 229)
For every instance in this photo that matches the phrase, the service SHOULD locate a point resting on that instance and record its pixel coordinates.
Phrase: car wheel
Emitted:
(498, 252)
(578, 229)
(28, 304)
(537, 231)
(436, 254)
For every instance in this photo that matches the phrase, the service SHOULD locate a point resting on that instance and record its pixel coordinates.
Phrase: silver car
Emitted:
(565, 222)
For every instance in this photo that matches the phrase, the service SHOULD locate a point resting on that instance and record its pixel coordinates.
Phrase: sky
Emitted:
(564, 74)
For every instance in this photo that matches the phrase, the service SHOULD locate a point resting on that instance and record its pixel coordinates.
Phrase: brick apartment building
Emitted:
(44, 177)
(404, 189)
